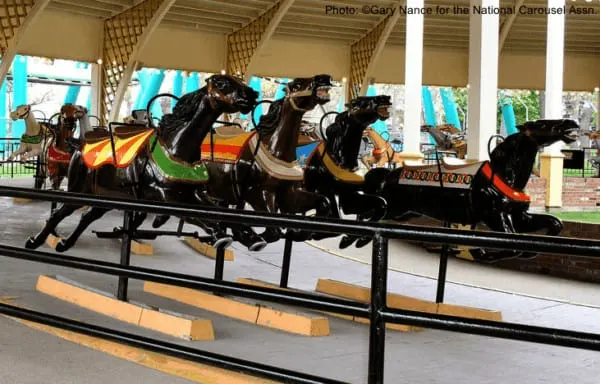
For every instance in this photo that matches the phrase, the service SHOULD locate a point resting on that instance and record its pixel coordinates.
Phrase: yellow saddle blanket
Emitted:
(99, 153)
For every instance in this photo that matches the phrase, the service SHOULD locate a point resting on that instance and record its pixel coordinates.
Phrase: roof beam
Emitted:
(365, 52)
(18, 17)
(245, 44)
(125, 36)
(508, 24)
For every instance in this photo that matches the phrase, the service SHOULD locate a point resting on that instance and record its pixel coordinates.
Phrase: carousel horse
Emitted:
(332, 166)
(264, 171)
(469, 193)
(383, 154)
(34, 142)
(161, 164)
(59, 152)
(447, 138)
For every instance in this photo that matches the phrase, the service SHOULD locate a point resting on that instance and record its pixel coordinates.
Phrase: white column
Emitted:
(96, 90)
(413, 78)
(555, 43)
(483, 79)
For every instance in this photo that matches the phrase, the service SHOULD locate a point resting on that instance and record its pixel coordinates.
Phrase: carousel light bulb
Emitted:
(99, 61)
(597, 89)
(468, 86)
(344, 80)
(222, 72)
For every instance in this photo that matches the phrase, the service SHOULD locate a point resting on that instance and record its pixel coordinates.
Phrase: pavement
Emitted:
(429, 356)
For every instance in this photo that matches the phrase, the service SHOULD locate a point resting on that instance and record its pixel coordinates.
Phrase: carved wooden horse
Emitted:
(469, 193)
(265, 172)
(59, 152)
(36, 138)
(447, 138)
(332, 166)
(383, 153)
(150, 163)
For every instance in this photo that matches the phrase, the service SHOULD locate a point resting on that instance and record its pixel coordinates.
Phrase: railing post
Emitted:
(379, 265)
(287, 259)
(441, 283)
(125, 253)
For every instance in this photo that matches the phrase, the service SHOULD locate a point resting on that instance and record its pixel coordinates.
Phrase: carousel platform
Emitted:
(427, 356)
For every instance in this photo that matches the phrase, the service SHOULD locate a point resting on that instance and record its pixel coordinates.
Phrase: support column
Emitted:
(413, 81)
(483, 80)
(19, 73)
(551, 161)
(3, 114)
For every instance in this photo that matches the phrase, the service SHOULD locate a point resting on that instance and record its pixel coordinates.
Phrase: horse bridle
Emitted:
(290, 96)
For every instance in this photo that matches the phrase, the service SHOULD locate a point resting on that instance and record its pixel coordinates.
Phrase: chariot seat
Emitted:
(416, 165)
(456, 163)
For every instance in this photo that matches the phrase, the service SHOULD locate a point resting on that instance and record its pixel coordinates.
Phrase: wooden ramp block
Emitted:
(139, 248)
(170, 324)
(363, 295)
(206, 249)
(300, 324)
(21, 200)
(395, 327)
(52, 240)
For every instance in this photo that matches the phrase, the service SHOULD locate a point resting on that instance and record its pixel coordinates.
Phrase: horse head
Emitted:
(369, 109)
(546, 132)
(230, 94)
(21, 112)
(306, 93)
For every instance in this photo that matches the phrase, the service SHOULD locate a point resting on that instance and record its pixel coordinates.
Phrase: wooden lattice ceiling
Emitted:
(307, 19)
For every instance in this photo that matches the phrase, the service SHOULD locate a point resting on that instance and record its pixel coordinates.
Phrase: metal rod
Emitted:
(174, 350)
(511, 331)
(299, 299)
(220, 263)
(125, 254)
(443, 268)
(287, 259)
(378, 304)
(492, 240)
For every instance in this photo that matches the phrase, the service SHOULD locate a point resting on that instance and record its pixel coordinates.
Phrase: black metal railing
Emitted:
(15, 168)
(376, 311)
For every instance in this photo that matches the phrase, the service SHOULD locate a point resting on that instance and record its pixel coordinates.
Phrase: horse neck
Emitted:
(345, 146)
(513, 160)
(280, 142)
(437, 135)
(84, 126)
(32, 127)
(184, 144)
(378, 141)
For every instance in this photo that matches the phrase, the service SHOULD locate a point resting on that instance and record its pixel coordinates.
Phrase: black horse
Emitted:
(166, 165)
(333, 169)
(470, 193)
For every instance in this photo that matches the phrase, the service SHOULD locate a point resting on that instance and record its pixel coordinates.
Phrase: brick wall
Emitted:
(578, 192)
(570, 267)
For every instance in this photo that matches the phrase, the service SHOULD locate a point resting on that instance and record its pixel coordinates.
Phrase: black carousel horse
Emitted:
(469, 193)
(332, 169)
(264, 172)
(145, 162)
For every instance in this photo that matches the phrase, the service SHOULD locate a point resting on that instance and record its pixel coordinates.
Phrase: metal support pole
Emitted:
(441, 283)
(287, 258)
(220, 264)
(125, 253)
(379, 268)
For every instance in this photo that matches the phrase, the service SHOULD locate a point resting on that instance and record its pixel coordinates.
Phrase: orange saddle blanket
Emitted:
(127, 145)
(226, 148)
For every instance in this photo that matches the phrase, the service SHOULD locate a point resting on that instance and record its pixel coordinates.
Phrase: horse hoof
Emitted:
(32, 243)
(258, 246)
(159, 221)
(362, 242)
(223, 242)
(346, 242)
(61, 246)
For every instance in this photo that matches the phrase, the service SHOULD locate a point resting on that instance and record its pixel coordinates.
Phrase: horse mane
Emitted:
(343, 143)
(269, 121)
(183, 112)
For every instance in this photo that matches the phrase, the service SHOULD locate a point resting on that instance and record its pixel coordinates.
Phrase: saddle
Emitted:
(228, 143)
(97, 149)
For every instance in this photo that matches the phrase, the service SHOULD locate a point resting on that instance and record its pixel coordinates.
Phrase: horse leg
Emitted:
(501, 222)
(301, 201)
(533, 222)
(335, 213)
(87, 218)
(160, 220)
(264, 201)
(219, 237)
(55, 218)
(17, 153)
(368, 207)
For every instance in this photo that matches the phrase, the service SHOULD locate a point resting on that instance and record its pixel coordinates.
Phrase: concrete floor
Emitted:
(422, 357)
